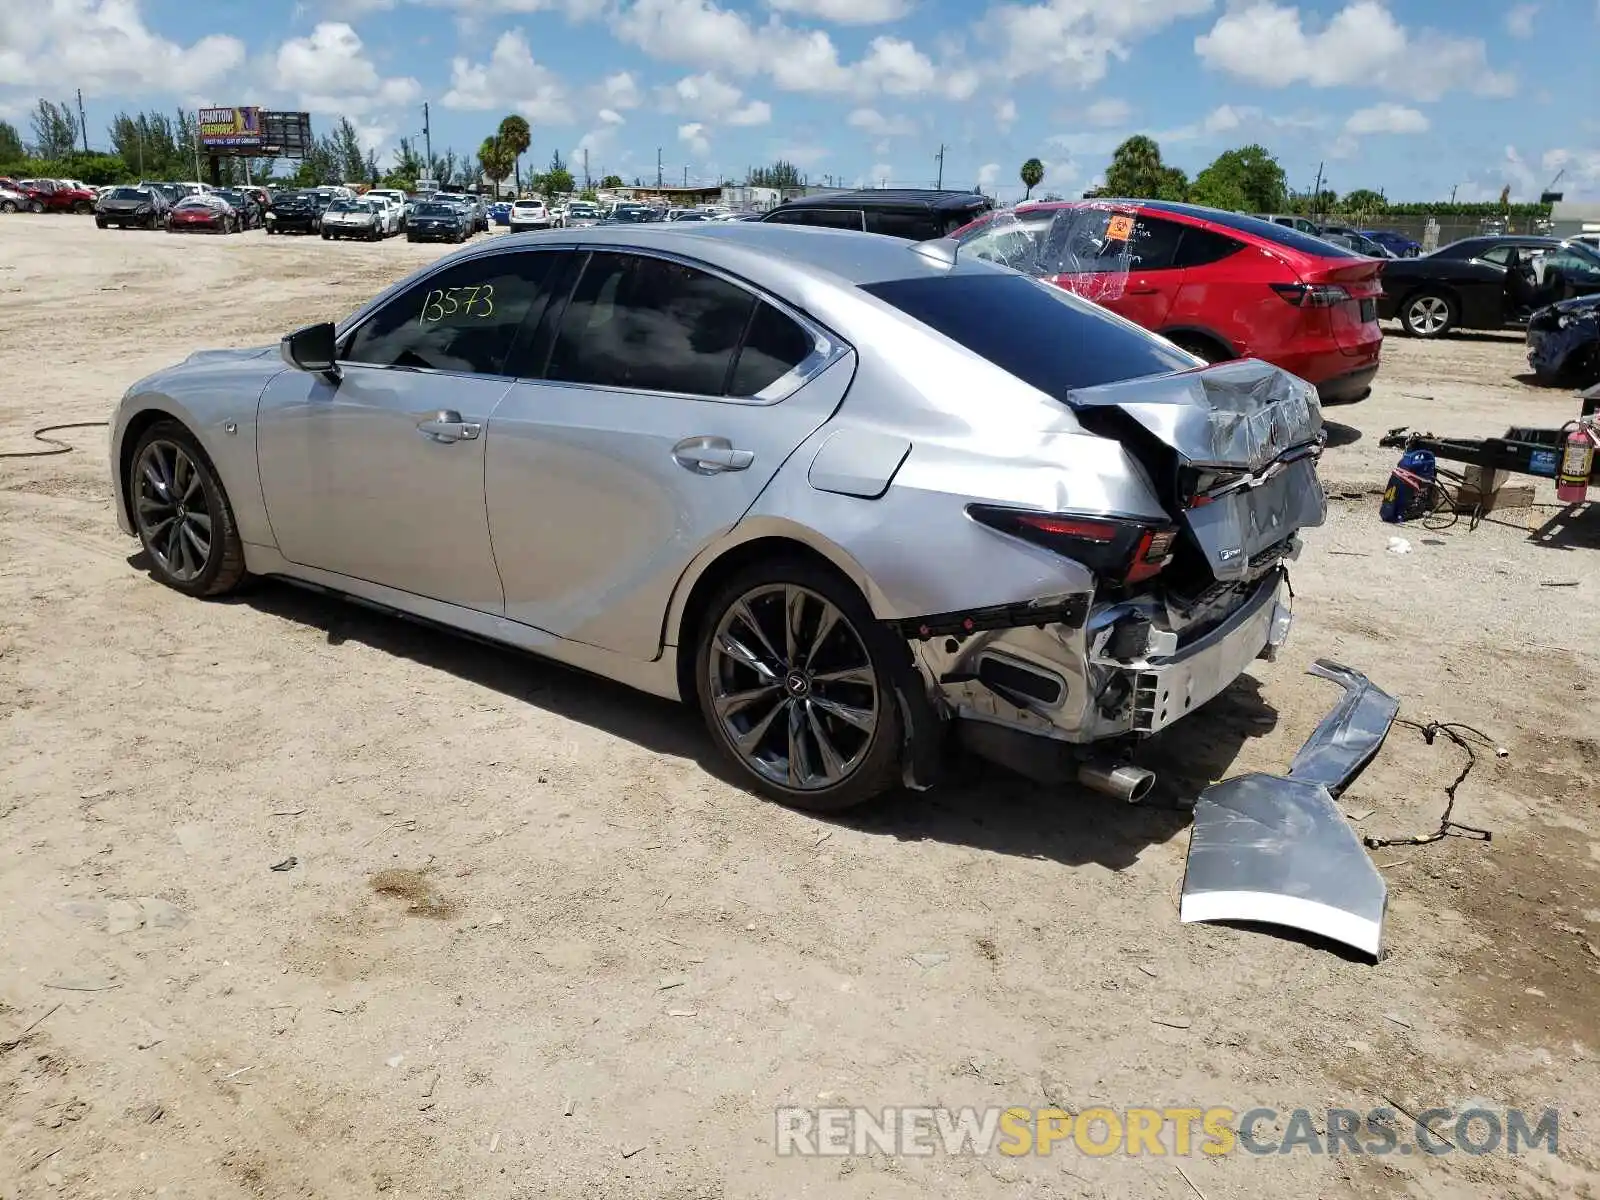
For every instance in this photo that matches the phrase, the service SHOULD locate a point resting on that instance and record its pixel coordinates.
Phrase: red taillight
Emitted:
(1122, 551)
(1312, 295)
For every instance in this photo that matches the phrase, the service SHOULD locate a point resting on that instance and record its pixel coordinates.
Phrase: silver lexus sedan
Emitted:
(845, 493)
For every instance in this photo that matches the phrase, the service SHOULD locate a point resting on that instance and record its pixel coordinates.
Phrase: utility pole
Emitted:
(1316, 196)
(1453, 188)
(586, 182)
(82, 123)
(658, 168)
(427, 142)
(686, 177)
(940, 156)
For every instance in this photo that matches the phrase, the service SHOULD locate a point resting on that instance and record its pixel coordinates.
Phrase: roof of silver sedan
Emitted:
(858, 258)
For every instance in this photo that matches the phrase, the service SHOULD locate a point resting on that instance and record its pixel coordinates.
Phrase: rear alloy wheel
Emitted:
(794, 683)
(8, 206)
(182, 515)
(1428, 315)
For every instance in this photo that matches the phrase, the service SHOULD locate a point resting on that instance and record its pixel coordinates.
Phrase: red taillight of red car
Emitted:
(1121, 550)
(1312, 295)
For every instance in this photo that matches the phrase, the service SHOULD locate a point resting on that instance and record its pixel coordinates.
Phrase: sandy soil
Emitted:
(535, 945)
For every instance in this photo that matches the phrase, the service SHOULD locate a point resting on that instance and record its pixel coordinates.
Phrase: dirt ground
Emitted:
(535, 945)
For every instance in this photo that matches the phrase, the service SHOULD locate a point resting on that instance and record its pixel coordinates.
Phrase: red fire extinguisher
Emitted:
(1577, 464)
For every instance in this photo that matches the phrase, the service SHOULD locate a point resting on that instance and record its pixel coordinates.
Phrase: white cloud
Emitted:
(1227, 117)
(1386, 118)
(1519, 21)
(845, 12)
(330, 72)
(693, 135)
(874, 124)
(700, 33)
(610, 116)
(988, 174)
(801, 154)
(1005, 113)
(620, 91)
(1074, 41)
(1266, 43)
(1108, 112)
(104, 48)
(714, 99)
(882, 173)
(510, 79)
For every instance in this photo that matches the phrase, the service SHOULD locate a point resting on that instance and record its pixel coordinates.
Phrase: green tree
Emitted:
(557, 180)
(1136, 170)
(495, 160)
(55, 130)
(349, 156)
(1363, 200)
(611, 181)
(10, 143)
(515, 135)
(408, 164)
(1032, 175)
(1246, 179)
(1172, 184)
(781, 174)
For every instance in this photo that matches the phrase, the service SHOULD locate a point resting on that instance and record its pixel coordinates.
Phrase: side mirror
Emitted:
(311, 349)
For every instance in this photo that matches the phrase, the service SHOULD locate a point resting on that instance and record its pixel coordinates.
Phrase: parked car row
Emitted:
(45, 195)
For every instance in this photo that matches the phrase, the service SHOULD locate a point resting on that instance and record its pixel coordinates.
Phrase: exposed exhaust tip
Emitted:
(1127, 783)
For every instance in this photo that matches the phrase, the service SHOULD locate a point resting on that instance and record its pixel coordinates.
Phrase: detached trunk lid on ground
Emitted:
(1231, 451)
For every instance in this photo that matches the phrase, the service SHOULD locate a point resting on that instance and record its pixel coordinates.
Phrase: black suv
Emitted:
(917, 214)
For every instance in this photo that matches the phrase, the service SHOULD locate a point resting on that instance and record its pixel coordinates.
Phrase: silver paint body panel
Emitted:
(569, 528)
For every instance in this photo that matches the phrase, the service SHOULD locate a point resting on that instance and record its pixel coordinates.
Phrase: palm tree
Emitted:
(516, 137)
(1032, 175)
(496, 160)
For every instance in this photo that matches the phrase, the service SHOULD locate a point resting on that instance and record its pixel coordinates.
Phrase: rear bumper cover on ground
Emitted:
(1275, 849)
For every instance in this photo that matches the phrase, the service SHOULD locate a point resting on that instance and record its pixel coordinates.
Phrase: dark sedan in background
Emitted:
(141, 207)
(1492, 282)
(294, 212)
(439, 221)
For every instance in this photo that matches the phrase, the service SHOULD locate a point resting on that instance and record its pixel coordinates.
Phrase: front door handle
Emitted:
(448, 426)
(706, 455)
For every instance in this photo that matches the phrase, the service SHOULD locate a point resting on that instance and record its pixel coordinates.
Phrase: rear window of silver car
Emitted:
(1039, 333)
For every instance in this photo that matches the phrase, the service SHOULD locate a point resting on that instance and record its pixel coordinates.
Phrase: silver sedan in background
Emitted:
(839, 491)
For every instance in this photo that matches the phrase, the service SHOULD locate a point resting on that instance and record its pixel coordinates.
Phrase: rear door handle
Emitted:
(706, 455)
(448, 426)
(1143, 289)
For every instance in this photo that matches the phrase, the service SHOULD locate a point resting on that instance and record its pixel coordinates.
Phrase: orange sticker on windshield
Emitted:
(1120, 229)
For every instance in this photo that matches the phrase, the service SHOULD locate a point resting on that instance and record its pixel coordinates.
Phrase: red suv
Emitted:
(1219, 284)
(55, 195)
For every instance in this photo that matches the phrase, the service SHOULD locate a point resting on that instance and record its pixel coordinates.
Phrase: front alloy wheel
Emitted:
(793, 684)
(182, 515)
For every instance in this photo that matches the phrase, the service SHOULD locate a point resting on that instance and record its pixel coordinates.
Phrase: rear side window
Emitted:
(640, 322)
(827, 218)
(1283, 235)
(1039, 333)
(461, 319)
(773, 346)
(1201, 247)
(1155, 243)
(917, 226)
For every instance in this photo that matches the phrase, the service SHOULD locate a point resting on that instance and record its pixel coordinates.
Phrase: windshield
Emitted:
(341, 206)
(583, 210)
(1584, 251)
(633, 214)
(126, 193)
(434, 210)
(1041, 334)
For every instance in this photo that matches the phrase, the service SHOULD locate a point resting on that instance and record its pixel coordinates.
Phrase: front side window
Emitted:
(827, 218)
(639, 322)
(917, 226)
(460, 319)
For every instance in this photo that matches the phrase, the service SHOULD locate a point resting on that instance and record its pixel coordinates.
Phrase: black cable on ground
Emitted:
(1447, 828)
(61, 447)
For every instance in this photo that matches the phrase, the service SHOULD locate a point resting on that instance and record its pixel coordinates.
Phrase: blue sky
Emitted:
(1416, 97)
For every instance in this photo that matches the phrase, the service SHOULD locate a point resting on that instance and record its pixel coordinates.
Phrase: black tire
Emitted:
(224, 569)
(877, 758)
(326, 236)
(82, 206)
(8, 206)
(411, 237)
(100, 222)
(36, 206)
(1200, 346)
(1428, 314)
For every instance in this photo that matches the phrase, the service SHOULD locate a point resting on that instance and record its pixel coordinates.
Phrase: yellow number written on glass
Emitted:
(476, 300)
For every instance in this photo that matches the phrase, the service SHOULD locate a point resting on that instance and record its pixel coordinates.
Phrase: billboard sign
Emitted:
(230, 128)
